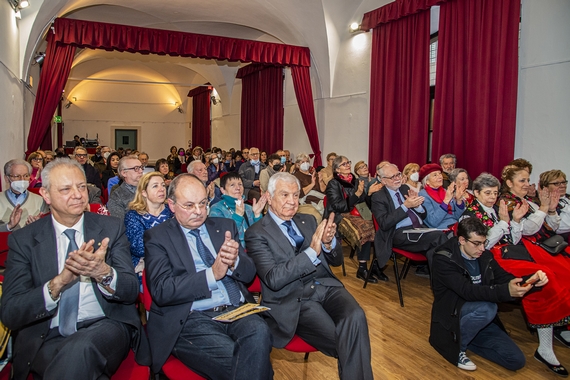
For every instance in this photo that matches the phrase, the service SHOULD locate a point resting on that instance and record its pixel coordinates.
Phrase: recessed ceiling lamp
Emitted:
(354, 27)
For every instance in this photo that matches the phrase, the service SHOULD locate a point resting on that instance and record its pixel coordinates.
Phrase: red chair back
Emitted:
(3, 247)
(35, 190)
(97, 208)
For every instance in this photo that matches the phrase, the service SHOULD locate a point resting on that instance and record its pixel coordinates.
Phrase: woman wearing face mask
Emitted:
(112, 167)
(444, 207)
(411, 174)
(37, 161)
(182, 155)
(307, 177)
(215, 168)
(232, 205)
(273, 166)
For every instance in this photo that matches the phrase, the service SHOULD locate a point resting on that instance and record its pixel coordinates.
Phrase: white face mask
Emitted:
(19, 186)
(215, 161)
(415, 176)
(106, 155)
(305, 166)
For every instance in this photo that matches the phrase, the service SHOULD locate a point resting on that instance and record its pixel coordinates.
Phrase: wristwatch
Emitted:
(106, 280)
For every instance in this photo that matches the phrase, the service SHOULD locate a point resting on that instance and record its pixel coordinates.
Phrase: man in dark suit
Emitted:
(398, 208)
(292, 256)
(70, 288)
(195, 270)
(249, 172)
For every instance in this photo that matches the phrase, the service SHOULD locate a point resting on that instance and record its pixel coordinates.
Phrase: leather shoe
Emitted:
(362, 273)
(379, 274)
(557, 369)
(557, 335)
(422, 271)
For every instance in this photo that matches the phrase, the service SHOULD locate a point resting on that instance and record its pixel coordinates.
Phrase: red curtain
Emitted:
(262, 107)
(399, 91)
(201, 125)
(69, 34)
(476, 88)
(304, 93)
(395, 11)
(53, 77)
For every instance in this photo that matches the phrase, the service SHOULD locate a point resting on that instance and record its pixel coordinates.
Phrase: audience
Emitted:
(232, 205)
(112, 168)
(197, 270)
(461, 179)
(556, 180)
(249, 172)
(467, 284)
(37, 161)
(92, 175)
(147, 210)
(273, 166)
(215, 167)
(19, 206)
(292, 256)
(397, 208)
(326, 174)
(72, 310)
(174, 163)
(130, 171)
(212, 190)
(447, 163)
(411, 176)
(444, 207)
(162, 167)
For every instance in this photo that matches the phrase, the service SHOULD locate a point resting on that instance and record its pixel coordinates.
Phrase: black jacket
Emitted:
(452, 287)
(341, 197)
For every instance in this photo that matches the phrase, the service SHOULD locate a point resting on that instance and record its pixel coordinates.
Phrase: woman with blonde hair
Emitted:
(37, 161)
(411, 174)
(147, 210)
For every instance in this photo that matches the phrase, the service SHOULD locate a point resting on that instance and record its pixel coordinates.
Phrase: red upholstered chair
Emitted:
(174, 369)
(130, 370)
(409, 257)
(98, 209)
(35, 190)
(3, 247)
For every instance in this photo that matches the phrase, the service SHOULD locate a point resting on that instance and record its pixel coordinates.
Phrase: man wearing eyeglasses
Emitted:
(18, 206)
(196, 269)
(397, 209)
(92, 175)
(467, 284)
(130, 171)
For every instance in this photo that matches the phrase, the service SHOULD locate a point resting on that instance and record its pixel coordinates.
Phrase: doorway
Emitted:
(126, 138)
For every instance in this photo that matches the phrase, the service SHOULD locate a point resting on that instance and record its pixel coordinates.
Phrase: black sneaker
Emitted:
(422, 271)
(362, 273)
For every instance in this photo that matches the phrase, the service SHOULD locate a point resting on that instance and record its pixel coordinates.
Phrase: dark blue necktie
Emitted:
(411, 214)
(69, 302)
(208, 259)
(293, 235)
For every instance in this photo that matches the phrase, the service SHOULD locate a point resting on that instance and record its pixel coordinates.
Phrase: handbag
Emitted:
(515, 252)
(554, 245)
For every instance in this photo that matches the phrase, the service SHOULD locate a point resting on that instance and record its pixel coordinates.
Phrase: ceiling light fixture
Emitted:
(180, 109)
(18, 4)
(39, 58)
(354, 27)
(69, 104)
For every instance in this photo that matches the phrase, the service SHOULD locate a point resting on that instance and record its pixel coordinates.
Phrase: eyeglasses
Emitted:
(245, 151)
(560, 183)
(360, 167)
(254, 154)
(395, 176)
(19, 177)
(202, 205)
(136, 168)
(37, 159)
(81, 155)
(478, 243)
(347, 163)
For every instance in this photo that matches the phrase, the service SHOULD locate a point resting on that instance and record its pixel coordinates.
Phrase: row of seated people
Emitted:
(73, 312)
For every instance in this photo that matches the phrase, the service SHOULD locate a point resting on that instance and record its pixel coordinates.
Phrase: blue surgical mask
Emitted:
(283, 160)
(254, 162)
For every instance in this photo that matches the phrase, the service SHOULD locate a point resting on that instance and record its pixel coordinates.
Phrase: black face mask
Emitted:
(277, 167)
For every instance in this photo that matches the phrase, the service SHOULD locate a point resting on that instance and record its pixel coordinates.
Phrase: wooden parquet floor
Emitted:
(399, 338)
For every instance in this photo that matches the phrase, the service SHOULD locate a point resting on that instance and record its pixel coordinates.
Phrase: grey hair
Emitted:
(484, 181)
(301, 156)
(79, 148)
(337, 161)
(145, 153)
(16, 161)
(59, 162)
(191, 164)
(454, 173)
(448, 155)
(425, 179)
(280, 176)
(171, 194)
(380, 171)
(122, 163)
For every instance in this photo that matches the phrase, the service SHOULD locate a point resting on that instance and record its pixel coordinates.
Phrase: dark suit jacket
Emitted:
(388, 216)
(281, 271)
(174, 284)
(32, 261)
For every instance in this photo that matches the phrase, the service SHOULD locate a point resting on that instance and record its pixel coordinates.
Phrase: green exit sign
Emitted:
(57, 119)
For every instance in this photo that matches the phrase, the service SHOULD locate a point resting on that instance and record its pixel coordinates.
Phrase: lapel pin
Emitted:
(217, 230)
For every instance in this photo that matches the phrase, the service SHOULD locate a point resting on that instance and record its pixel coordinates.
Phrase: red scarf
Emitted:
(438, 196)
(346, 178)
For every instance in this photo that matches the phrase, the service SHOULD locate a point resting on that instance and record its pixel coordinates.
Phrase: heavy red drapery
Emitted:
(395, 11)
(201, 124)
(304, 94)
(69, 34)
(262, 107)
(55, 70)
(399, 91)
(476, 90)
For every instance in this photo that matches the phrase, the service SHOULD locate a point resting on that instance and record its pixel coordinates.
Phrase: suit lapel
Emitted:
(180, 244)
(274, 232)
(304, 231)
(217, 236)
(45, 254)
(92, 230)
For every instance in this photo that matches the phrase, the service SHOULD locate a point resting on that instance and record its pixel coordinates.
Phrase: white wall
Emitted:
(543, 113)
